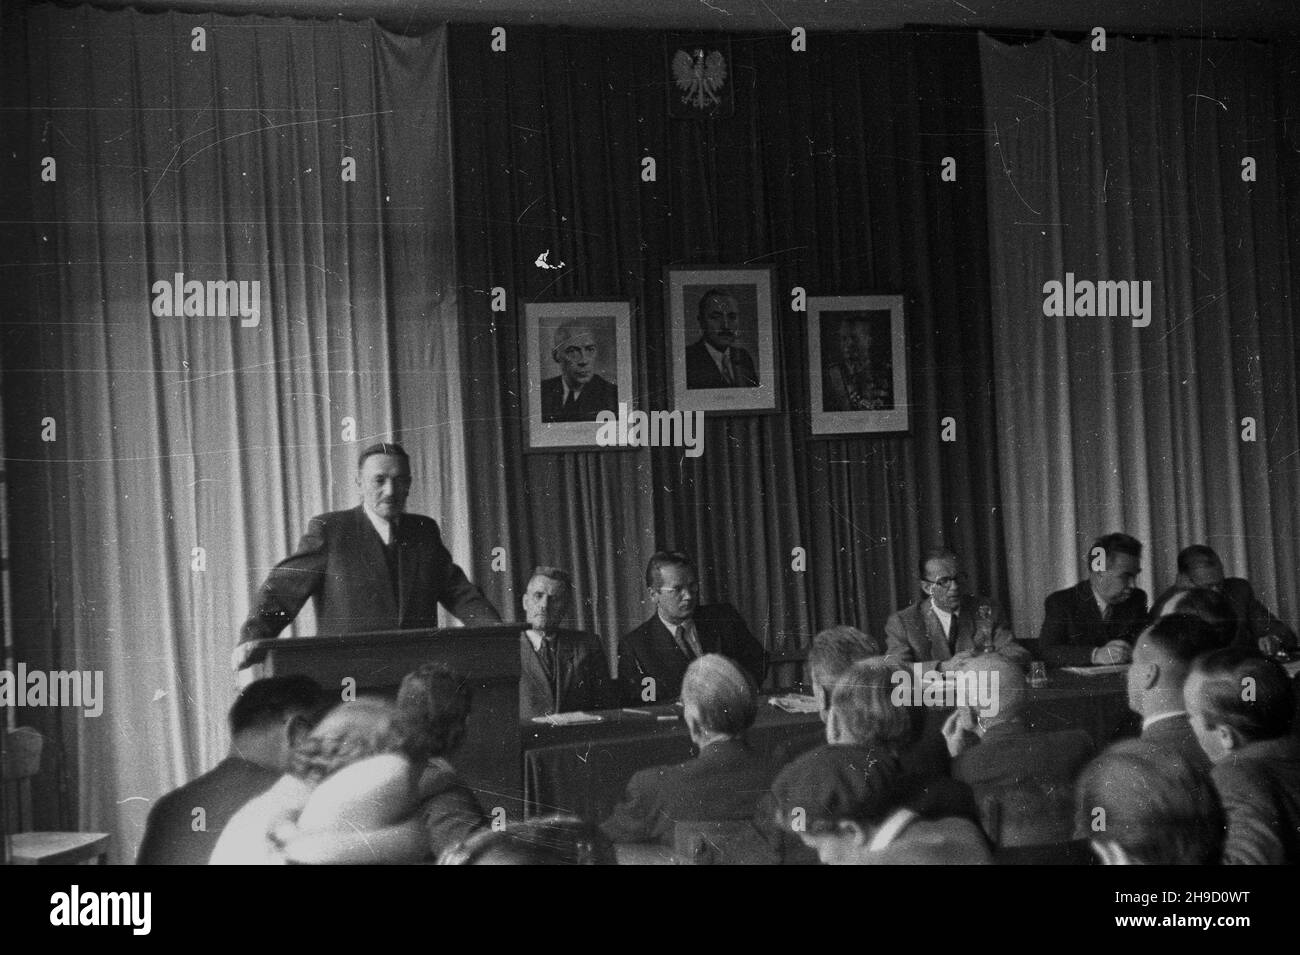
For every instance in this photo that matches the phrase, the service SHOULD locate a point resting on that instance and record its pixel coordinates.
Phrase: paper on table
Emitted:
(796, 703)
(1095, 671)
(568, 719)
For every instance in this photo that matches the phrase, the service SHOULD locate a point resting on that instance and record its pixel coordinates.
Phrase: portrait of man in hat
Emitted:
(577, 393)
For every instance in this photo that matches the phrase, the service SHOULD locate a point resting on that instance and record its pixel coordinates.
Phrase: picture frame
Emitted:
(563, 342)
(857, 364)
(738, 375)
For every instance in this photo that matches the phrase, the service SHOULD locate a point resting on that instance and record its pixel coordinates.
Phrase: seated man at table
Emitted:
(724, 783)
(1022, 778)
(269, 717)
(946, 627)
(559, 669)
(1199, 568)
(1096, 620)
(1140, 805)
(1241, 708)
(653, 658)
(1162, 658)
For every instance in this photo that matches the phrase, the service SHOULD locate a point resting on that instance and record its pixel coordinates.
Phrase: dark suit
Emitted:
(724, 783)
(449, 811)
(1260, 788)
(1254, 620)
(597, 395)
(358, 585)
(1073, 626)
(915, 635)
(582, 681)
(650, 651)
(169, 836)
(1173, 734)
(1023, 781)
(703, 372)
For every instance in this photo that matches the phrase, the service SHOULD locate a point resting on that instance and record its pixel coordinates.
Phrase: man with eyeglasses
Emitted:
(653, 658)
(945, 628)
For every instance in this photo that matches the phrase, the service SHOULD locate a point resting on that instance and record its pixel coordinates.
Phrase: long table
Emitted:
(583, 769)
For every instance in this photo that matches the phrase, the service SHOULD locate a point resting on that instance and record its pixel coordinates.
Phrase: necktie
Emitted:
(688, 641)
(726, 368)
(570, 402)
(1105, 614)
(549, 658)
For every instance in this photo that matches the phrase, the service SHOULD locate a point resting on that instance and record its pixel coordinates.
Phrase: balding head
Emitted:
(719, 699)
(833, 651)
(1007, 685)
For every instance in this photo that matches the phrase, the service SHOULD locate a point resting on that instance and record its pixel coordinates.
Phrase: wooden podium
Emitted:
(490, 758)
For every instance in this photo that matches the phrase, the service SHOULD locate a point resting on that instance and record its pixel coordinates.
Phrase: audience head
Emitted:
(548, 840)
(1235, 697)
(863, 712)
(673, 584)
(1114, 562)
(1162, 658)
(547, 598)
(1199, 566)
(719, 700)
(719, 318)
(353, 731)
(836, 797)
(384, 477)
(1007, 686)
(435, 702)
(1209, 606)
(1139, 805)
(272, 715)
(942, 579)
(574, 350)
(833, 651)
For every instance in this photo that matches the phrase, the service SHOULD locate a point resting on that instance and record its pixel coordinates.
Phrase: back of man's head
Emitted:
(272, 700)
(834, 784)
(1143, 805)
(436, 700)
(1003, 680)
(1172, 643)
(720, 695)
(1211, 607)
(833, 651)
(1197, 555)
(863, 711)
(1239, 689)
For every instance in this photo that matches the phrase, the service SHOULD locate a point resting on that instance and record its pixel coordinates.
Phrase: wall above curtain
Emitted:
(828, 170)
(1174, 164)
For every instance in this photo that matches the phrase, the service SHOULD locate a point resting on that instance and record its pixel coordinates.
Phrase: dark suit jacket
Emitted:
(1173, 734)
(703, 372)
(724, 783)
(1023, 781)
(583, 679)
(650, 651)
(1260, 788)
(597, 395)
(915, 635)
(1254, 619)
(169, 837)
(449, 810)
(1073, 626)
(341, 565)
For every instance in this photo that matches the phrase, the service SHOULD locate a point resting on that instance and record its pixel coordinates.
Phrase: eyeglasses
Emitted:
(945, 582)
(680, 589)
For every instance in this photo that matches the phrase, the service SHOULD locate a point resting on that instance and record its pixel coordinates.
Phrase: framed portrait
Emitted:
(857, 364)
(577, 363)
(720, 339)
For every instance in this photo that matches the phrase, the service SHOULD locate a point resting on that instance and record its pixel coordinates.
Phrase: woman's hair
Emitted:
(354, 731)
(548, 840)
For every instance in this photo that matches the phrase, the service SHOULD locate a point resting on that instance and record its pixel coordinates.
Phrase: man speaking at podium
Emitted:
(370, 568)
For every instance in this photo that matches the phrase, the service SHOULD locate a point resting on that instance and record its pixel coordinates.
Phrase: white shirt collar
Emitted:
(713, 353)
(1152, 720)
(890, 829)
(569, 391)
(672, 627)
(535, 638)
(945, 618)
(383, 527)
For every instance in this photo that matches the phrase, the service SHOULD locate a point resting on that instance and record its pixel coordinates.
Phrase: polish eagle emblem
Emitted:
(700, 76)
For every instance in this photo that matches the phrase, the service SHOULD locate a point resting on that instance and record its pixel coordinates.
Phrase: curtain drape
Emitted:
(1131, 165)
(830, 171)
(189, 451)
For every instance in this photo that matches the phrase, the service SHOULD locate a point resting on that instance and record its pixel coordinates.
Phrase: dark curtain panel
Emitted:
(189, 451)
(1128, 165)
(828, 171)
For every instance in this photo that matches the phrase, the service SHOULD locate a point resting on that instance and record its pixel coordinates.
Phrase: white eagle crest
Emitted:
(699, 76)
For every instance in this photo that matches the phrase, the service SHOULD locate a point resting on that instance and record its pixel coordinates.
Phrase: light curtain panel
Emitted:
(1125, 407)
(308, 164)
